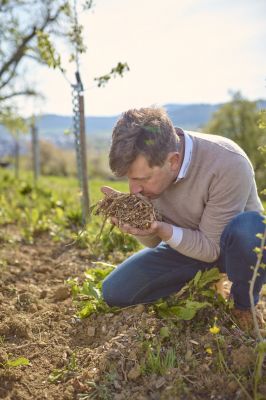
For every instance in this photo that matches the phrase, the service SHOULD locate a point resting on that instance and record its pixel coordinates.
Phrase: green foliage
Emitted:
(17, 362)
(53, 206)
(63, 374)
(47, 50)
(192, 297)
(239, 120)
(88, 295)
(119, 70)
(29, 32)
(36, 30)
(158, 360)
(262, 119)
(14, 123)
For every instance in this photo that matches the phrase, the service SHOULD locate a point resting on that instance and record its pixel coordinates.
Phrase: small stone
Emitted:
(117, 385)
(43, 294)
(160, 382)
(91, 331)
(134, 373)
(139, 309)
(233, 386)
(61, 293)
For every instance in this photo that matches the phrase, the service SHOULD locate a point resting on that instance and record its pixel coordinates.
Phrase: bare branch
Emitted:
(16, 57)
(26, 92)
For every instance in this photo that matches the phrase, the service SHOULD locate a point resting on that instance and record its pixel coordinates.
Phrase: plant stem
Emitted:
(252, 284)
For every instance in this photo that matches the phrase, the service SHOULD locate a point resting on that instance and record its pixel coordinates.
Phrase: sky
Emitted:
(178, 51)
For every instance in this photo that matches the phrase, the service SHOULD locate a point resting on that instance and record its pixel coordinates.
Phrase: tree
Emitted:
(25, 31)
(15, 125)
(239, 121)
(28, 32)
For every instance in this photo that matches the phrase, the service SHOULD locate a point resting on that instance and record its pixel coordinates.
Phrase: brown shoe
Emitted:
(223, 286)
(244, 319)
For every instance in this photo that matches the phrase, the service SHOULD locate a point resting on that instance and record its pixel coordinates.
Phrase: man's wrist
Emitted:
(176, 237)
(165, 231)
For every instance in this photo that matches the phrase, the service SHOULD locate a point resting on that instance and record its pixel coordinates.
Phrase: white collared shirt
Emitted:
(188, 143)
(177, 235)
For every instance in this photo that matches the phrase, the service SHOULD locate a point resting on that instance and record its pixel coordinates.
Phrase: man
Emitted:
(204, 187)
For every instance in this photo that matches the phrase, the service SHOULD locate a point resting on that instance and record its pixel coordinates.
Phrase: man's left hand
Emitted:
(161, 229)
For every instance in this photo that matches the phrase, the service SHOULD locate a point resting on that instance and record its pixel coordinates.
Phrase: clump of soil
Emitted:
(16, 326)
(128, 209)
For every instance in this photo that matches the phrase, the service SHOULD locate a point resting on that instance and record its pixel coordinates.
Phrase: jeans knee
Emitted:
(242, 230)
(111, 294)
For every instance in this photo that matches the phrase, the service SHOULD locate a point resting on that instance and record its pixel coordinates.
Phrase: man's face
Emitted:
(152, 181)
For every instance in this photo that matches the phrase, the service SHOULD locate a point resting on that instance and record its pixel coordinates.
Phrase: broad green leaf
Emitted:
(18, 362)
(197, 277)
(209, 276)
(87, 310)
(89, 276)
(184, 313)
(89, 289)
(188, 311)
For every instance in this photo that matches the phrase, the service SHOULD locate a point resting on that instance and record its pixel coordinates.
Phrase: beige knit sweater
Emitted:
(219, 183)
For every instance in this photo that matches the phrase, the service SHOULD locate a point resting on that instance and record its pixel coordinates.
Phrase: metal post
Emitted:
(83, 151)
(80, 143)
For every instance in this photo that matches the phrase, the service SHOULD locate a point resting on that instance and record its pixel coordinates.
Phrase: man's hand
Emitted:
(161, 229)
(107, 190)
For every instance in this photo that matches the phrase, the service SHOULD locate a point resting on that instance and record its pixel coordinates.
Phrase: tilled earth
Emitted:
(103, 356)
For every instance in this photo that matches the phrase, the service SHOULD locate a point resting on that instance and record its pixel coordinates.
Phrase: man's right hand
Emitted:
(107, 190)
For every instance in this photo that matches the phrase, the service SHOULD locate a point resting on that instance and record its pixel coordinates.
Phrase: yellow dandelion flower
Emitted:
(208, 350)
(214, 329)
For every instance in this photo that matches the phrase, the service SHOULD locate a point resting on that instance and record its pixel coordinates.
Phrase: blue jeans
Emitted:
(157, 272)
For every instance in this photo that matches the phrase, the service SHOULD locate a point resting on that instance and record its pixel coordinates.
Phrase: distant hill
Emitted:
(52, 127)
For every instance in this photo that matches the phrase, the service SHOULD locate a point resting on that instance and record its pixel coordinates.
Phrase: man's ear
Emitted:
(173, 159)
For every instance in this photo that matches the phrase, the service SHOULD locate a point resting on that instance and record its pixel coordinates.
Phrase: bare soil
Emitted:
(101, 357)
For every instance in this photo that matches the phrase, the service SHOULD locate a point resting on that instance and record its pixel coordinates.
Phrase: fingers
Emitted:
(107, 190)
(134, 231)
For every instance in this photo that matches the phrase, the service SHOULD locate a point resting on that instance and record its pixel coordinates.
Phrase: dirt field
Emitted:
(105, 356)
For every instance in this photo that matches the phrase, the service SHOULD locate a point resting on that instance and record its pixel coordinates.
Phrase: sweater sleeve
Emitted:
(228, 194)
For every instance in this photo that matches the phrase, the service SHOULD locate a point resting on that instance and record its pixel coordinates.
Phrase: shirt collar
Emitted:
(188, 143)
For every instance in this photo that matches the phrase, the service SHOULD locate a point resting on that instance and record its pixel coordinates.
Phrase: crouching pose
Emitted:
(204, 187)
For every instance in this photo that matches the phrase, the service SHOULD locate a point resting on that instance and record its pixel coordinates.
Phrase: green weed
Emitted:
(17, 362)
(157, 360)
(63, 374)
(88, 295)
(194, 296)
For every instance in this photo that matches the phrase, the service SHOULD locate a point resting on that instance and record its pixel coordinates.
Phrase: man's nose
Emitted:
(135, 188)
